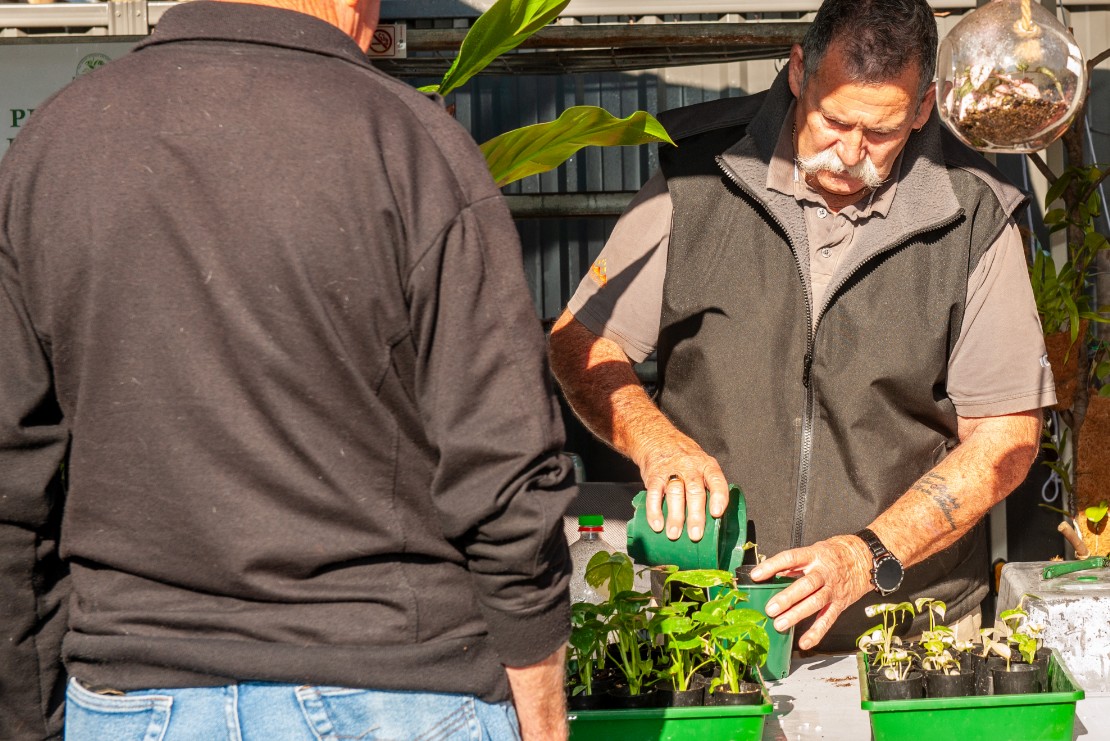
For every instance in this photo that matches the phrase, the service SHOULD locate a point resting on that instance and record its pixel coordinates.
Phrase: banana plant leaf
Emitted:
(533, 149)
(503, 27)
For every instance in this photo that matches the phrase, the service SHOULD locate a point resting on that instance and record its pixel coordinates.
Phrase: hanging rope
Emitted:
(1026, 16)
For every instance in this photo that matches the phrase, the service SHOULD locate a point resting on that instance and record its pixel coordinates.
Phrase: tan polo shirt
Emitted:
(998, 365)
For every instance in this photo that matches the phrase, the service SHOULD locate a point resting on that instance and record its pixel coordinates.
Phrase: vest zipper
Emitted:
(801, 496)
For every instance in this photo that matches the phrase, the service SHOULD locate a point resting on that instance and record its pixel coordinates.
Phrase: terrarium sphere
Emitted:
(1010, 77)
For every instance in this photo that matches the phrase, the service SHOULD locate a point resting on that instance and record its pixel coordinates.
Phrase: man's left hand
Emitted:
(831, 575)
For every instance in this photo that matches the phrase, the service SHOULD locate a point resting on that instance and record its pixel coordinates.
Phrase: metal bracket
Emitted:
(128, 18)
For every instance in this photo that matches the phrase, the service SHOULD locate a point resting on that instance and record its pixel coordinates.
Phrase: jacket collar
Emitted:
(923, 174)
(203, 20)
(925, 199)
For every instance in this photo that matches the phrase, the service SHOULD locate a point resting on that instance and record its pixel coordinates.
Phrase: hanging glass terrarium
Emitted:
(1010, 77)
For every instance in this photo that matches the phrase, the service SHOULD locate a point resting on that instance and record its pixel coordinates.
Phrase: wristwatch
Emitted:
(886, 569)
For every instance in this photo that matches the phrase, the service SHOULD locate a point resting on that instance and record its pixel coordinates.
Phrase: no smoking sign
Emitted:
(389, 41)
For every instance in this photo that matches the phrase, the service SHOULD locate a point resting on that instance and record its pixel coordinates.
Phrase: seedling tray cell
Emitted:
(1045, 716)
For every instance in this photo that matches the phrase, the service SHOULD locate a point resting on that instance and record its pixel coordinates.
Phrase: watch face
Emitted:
(888, 574)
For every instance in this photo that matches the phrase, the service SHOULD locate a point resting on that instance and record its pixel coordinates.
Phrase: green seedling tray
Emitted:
(1045, 716)
(736, 722)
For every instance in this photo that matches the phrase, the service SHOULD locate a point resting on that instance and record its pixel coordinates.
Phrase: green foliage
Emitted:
(755, 551)
(881, 640)
(734, 638)
(1101, 368)
(505, 26)
(541, 147)
(611, 572)
(705, 626)
(682, 634)
(586, 650)
(1021, 633)
(940, 660)
(936, 609)
(1063, 295)
(1097, 513)
(628, 619)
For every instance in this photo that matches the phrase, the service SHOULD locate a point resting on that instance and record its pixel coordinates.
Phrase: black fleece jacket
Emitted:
(268, 305)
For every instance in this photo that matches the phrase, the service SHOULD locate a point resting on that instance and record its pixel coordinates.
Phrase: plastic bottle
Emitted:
(590, 541)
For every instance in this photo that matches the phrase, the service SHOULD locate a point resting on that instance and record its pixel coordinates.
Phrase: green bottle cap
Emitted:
(591, 521)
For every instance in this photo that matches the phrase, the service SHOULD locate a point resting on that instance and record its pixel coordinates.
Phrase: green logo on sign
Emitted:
(90, 62)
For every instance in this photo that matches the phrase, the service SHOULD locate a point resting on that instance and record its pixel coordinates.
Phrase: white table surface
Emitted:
(820, 699)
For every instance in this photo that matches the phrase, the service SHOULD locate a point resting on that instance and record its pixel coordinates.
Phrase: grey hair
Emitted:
(880, 38)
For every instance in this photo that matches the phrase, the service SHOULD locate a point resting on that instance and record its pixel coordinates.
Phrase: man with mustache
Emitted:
(837, 294)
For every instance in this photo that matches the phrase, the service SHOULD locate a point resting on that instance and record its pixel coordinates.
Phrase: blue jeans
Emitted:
(254, 711)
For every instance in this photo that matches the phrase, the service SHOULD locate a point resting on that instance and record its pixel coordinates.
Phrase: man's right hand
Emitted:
(674, 466)
(602, 388)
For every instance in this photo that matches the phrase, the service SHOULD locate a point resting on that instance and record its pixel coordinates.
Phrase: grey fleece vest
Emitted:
(822, 429)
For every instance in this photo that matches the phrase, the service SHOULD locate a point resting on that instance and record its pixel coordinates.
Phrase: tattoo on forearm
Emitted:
(935, 487)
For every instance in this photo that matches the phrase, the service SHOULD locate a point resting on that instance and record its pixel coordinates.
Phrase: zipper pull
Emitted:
(808, 364)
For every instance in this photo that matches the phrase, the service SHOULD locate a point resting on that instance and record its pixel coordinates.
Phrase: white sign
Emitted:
(389, 41)
(31, 73)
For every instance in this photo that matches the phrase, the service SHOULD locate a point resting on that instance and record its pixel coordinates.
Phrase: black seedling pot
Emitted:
(620, 699)
(586, 702)
(690, 698)
(939, 684)
(749, 694)
(913, 686)
(1021, 679)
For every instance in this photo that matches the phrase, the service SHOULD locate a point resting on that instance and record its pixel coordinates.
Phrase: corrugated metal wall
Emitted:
(557, 252)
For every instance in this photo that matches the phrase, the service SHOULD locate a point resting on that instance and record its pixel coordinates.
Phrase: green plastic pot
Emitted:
(721, 547)
(780, 644)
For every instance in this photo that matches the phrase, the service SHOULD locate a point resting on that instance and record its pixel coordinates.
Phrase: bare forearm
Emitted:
(538, 697)
(991, 460)
(601, 387)
(598, 381)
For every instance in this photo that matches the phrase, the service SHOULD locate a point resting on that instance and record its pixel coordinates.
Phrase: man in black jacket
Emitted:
(267, 307)
(838, 297)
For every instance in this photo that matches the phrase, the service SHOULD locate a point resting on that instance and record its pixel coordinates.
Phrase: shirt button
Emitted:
(822, 212)
(825, 251)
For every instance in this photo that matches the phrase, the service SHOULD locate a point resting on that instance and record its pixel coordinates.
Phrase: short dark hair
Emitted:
(880, 38)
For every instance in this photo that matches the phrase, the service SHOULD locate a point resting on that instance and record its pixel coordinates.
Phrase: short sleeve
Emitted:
(621, 296)
(999, 365)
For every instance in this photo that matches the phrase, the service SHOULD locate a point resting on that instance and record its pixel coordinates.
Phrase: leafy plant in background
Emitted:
(534, 149)
(1063, 292)
(1064, 296)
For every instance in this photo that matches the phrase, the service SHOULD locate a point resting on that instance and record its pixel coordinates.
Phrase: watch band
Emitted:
(878, 550)
(886, 570)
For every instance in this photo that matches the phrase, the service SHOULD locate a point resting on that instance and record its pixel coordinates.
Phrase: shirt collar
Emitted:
(205, 20)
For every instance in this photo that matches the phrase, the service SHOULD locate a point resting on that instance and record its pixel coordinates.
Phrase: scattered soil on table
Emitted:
(841, 681)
